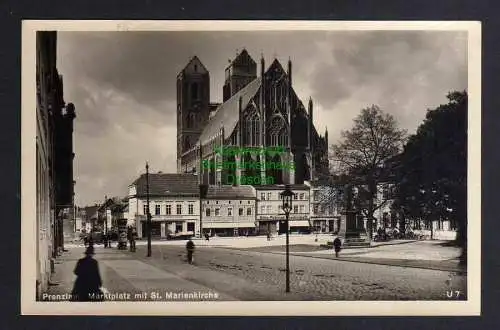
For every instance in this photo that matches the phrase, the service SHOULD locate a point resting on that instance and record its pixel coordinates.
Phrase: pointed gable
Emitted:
(194, 66)
(275, 70)
(243, 59)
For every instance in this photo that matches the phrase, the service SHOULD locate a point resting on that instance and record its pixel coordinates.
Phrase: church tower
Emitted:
(239, 73)
(193, 98)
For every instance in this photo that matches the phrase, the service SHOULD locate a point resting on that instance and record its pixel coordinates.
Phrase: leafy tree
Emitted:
(433, 168)
(364, 154)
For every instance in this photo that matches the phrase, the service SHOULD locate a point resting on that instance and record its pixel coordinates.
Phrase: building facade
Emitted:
(260, 115)
(325, 211)
(270, 209)
(229, 211)
(225, 211)
(174, 204)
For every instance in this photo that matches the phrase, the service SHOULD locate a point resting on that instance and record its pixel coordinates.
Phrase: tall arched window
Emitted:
(251, 127)
(194, 91)
(277, 132)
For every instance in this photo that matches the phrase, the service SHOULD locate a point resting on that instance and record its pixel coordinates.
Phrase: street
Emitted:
(224, 273)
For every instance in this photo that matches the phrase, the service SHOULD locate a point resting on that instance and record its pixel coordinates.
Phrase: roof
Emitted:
(282, 187)
(230, 192)
(168, 184)
(227, 114)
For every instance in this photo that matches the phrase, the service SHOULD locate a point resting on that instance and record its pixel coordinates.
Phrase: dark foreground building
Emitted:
(54, 158)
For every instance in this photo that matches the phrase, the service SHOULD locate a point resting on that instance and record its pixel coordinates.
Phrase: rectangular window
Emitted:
(302, 209)
(269, 196)
(168, 209)
(295, 209)
(301, 196)
(269, 209)
(315, 195)
(295, 196)
(178, 227)
(315, 209)
(145, 209)
(263, 196)
(207, 212)
(240, 211)
(229, 211)
(190, 209)
(217, 211)
(249, 211)
(262, 209)
(179, 209)
(157, 209)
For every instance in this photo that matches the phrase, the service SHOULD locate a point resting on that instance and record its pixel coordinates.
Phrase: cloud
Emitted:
(123, 85)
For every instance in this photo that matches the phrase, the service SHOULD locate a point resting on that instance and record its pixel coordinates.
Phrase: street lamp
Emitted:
(203, 194)
(148, 215)
(286, 197)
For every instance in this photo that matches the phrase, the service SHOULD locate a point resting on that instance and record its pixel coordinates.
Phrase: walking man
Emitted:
(190, 250)
(337, 243)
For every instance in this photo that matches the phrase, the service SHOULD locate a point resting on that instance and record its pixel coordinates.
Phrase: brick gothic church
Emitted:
(257, 112)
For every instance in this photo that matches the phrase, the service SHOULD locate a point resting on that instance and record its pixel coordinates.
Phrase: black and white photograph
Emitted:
(183, 168)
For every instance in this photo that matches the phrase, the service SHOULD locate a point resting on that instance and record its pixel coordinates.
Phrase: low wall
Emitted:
(444, 235)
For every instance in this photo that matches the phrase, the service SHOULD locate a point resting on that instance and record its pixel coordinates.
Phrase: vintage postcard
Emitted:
(251, 168)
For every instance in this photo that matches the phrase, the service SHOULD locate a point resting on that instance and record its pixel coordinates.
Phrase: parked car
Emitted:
(180, 235)
(97, 237)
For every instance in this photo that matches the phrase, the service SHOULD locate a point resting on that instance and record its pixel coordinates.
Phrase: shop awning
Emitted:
(303, 223)
(207, 225)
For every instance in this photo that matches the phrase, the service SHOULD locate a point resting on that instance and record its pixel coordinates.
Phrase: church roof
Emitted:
(227, 114)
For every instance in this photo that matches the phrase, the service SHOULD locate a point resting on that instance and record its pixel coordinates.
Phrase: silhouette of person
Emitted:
(337, 243)
(190, 250)
(88, 282)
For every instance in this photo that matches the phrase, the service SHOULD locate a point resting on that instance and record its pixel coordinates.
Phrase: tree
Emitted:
(433, 168)
(364, 154)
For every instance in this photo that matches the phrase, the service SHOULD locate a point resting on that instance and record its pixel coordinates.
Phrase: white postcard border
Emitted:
(261, 308)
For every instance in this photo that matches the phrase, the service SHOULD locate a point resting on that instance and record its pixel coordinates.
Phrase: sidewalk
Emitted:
(124, 279)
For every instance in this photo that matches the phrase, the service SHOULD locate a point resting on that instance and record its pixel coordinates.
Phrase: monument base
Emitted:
(356, 238)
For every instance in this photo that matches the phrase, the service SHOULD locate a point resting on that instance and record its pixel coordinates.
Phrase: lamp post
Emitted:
(287, 207)
(105, 231)
(148, 215)
(203, 194)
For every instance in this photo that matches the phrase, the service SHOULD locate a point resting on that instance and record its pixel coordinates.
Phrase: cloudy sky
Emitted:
(123, 87)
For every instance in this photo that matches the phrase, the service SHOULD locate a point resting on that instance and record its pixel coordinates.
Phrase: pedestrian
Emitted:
(190, 250)
(380, 233)
(129, 237)
(88, 282)
(110, 240)
(134, 238)
(337, 243)
(268, 236)
(207, 237)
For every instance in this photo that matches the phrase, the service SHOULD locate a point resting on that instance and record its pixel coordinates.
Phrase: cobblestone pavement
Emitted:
(311, 278)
